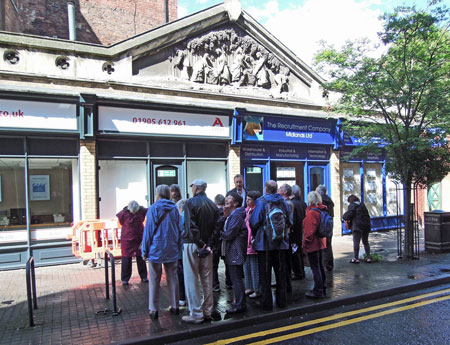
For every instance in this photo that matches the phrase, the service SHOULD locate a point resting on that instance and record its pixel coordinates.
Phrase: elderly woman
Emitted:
(234, 248)
(132, 219)
(161, 245)
(313, 244)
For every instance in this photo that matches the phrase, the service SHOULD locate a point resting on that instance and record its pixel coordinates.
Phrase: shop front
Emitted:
(366, 178)
(141, 148)
(39, 180)
(292, 150)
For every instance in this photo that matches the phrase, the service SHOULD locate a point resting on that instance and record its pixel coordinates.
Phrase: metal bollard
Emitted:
(31, 289)
(115, 311)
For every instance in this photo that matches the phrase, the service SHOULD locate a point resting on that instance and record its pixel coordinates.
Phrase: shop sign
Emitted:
(372, 157)
(38, 115)
(318, 153)
(255, 152)
(293, 130)
(287, 153)
(167, 173)
(128, 120)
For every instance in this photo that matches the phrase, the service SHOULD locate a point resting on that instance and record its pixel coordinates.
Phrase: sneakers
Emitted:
(254, 295)
(190, 319)
(182, 302)
(248, 291)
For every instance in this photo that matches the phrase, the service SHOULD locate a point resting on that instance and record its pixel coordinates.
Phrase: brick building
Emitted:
(97, 21)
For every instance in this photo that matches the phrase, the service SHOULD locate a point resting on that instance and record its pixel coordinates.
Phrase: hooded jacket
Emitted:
(164, 244)
(201, 216)
(312, 242)
(257, 222)
(358, 216)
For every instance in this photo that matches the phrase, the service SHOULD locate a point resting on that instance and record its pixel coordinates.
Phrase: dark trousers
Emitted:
(126, 268)
(236, 274)
(216, 284)
(288, 269)
(298, 266)
(277, 260)
(181, 280)
(357, 236)
(318, 271)
(328, 259)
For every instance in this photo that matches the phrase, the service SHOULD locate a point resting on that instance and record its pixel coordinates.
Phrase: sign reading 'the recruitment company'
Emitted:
(299, 130)
(144, 121)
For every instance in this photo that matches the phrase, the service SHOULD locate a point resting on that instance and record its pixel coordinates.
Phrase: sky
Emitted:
(302, 24)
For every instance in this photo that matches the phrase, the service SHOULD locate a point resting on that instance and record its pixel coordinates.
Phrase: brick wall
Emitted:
(234, 162)
(88, 178)
(98, 21)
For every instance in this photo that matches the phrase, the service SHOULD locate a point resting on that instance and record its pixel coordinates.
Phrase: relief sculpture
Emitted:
(232, 60)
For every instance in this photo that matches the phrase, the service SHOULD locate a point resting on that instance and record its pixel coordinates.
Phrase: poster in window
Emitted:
(348, 173)
(39, 187)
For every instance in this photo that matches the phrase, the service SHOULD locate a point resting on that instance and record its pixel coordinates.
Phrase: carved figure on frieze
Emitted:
(182, 62)
(281, 79)
(239, 68)
(223, 71)
(260, 71)
(202, 69)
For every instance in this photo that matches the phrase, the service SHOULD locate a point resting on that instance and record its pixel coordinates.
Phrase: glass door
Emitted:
(168, 173)
(317, 174)
(255, 175)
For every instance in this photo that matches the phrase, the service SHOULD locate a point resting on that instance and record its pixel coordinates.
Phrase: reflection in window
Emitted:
(12, 193)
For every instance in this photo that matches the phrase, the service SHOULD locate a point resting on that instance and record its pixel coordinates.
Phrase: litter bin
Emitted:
(437, 232)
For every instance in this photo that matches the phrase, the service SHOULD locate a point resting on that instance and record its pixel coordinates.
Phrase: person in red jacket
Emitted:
(313, 244)
(132, 220)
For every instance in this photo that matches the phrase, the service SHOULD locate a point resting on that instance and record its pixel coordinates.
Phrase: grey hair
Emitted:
(296, 190)
(202, 187)
(181, 203)
(162, 192)
(287, 188)
(313, 198)
(133, 206)
(321, 189)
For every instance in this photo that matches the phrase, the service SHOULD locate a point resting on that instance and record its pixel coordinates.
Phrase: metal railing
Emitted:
(31, 289)
(115, 311)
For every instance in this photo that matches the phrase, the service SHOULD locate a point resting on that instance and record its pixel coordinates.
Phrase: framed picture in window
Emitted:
(39, 187)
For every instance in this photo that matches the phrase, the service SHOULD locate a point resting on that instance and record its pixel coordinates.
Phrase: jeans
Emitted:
(357, 236)
(267, 260)
(251, 273)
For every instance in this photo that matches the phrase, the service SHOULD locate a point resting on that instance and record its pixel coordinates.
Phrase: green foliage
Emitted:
(401, 97)
(375, 257)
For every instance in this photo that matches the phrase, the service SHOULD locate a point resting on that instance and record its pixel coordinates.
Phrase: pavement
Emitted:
(68, 297)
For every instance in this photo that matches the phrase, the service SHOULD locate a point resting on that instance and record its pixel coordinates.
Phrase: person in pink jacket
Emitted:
(251, 271)
(313, 244)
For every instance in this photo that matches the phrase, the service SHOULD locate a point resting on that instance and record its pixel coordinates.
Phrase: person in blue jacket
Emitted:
(270, 253)
(161, 244)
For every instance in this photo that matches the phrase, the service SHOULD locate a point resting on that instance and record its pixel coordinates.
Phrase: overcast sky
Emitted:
(301, 24)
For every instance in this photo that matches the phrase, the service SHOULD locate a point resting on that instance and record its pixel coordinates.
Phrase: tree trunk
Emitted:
(409, 227)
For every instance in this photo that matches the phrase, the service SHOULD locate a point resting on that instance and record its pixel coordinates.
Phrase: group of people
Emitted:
(255, 235)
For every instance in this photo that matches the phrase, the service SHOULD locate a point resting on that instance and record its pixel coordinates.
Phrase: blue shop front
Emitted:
(287, 149)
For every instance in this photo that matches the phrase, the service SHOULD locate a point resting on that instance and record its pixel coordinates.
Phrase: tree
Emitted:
(399, 99)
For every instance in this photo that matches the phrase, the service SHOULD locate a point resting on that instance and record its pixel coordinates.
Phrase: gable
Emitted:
(227, 60)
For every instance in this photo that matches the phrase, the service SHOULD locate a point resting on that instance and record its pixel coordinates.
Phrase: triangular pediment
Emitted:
(230, 57)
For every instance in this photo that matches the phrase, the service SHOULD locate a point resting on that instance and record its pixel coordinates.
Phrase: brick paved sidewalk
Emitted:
(69, 296)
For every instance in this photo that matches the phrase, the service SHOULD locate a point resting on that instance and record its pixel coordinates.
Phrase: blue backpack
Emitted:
(325, 228)
(275, 226)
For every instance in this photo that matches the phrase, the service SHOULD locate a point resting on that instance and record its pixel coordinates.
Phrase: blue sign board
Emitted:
(286, 153)
(294, 130)
(372, 157)
(254, 152)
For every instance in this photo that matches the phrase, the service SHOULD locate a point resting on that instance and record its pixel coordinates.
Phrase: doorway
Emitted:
(168, 173)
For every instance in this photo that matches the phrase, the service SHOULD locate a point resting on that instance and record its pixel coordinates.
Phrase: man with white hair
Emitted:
(201, 234)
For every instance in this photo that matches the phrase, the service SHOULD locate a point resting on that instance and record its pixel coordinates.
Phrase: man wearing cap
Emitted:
(201, 232)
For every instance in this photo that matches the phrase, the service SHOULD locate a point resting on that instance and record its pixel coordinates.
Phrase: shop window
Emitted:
(119, 183)
(351, 182)
(12, 199)
(214, 173)
(166, 149)
(53, 183)
(207, 150)
(119, 148)
(53, 147)
(11, 146)
(373, 187)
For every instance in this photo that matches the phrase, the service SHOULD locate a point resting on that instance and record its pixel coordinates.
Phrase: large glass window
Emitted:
(53, 183)
(394, 197)
(214, 173)
(351, 182)
(119, 183)
(373, 196)
(12, 200)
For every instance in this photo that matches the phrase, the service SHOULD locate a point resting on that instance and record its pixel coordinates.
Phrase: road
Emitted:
(420, 317)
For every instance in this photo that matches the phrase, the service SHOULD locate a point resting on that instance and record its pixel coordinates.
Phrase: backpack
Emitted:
(275, 227)
(325, 228)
